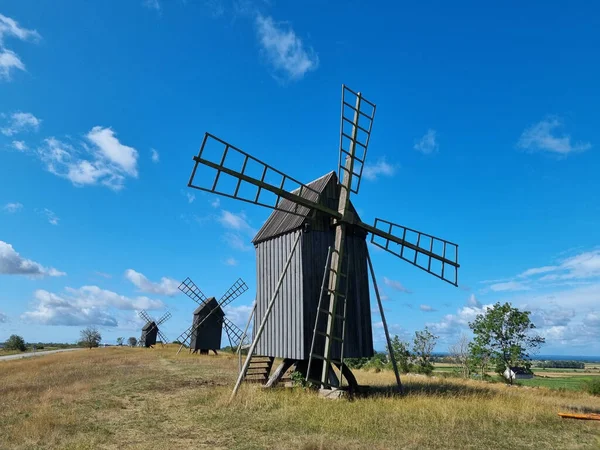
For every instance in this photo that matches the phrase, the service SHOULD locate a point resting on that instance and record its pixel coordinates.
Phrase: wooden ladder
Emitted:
(333, 332)
(259, 369)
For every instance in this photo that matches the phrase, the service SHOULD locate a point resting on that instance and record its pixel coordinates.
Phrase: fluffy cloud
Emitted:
(240, 232)
(101, 160)
(9, 60)
(428, 143)
(20, 122)
(190, 197)
(12, 208)
(166, 286)
(380, 168)
(88, 305)
(3, 318)
(19, 145)
(11, 263)
(543, 137)
(238, 314)
(231, 262)
(50, 216)
(154, 155)
(427, 308)
(396, 285)
(284, 50)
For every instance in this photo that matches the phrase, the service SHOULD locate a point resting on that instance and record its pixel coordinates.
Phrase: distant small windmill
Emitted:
(150, 330)
(209, 319)
(312, 306)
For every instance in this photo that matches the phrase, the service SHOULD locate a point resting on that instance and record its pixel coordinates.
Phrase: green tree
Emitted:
(90, 337)
(402, 354)
(460, 355)
(505, 335)
(132, 341)
(120, 341)
(423, 344)
(15, 342)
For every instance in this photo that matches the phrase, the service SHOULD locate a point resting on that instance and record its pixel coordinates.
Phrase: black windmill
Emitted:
(313, 265)
(151, 330)
(209, 319)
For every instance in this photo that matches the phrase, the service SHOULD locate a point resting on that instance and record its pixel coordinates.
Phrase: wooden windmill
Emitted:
(209, 319)
(321, 305)
(151, 329)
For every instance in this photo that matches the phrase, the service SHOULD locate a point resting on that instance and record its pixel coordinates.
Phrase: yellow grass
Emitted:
(144, 398)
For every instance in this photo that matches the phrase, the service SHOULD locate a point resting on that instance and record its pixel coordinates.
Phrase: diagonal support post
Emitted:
(385, 327)
(263, 322)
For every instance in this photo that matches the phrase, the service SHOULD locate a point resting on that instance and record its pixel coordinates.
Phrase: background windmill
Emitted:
(151, 329)
(311, 328)
(209, 319)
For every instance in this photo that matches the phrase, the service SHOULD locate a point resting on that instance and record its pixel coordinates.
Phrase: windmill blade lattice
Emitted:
(234, 333)
(252, 189)
(164, 318)
(144, 315)
(237, 289)
(189, 288)
(356, 123)
(434, 255)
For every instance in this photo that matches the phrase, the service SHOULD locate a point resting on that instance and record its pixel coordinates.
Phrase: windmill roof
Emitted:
(148, 326)
(210, 304)
(280, 222)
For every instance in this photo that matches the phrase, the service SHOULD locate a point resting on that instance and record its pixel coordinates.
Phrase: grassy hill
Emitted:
(149, 398)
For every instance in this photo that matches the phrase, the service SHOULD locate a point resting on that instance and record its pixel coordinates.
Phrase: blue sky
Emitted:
(485, 134)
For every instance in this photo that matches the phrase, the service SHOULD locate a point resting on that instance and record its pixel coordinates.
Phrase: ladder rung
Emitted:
(335, 338)
(331, 291)
(323, 359)
(326, 311)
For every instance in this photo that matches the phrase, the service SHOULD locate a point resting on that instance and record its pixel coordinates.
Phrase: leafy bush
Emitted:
(593, 386)
(15, 342)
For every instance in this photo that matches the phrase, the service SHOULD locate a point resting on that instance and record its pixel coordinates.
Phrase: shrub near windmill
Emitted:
(312, 305)
(209, 319)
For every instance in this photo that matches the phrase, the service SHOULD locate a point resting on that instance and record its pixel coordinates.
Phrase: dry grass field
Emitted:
(121, 398)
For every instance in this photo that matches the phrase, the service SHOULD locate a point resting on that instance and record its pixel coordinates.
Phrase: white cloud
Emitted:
(155, 156)
(88, 305)
(236, 222)
(231, 262)
(166, 286)
(216, 202)
(12, 208)
(472, 301)
(190, 197)
(542, 137)
(20, 122)
(11, 263)
(103, 274)
(396, 285)
(237, 242)
(284, 49)
(106, 161)
(52, 218)
(3, 318)
(238, 314)
(19, 145)
(428, 143)
(9, 27)
(381, 167)
(427, 308)
(9, 60)
(152, 4)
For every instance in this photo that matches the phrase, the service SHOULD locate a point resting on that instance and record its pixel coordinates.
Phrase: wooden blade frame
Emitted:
(144, 315)
(354, 142)
(166, 316)
(431, 249)
(189, 288)
(234, 333)
(237, 289)
(301, 199)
